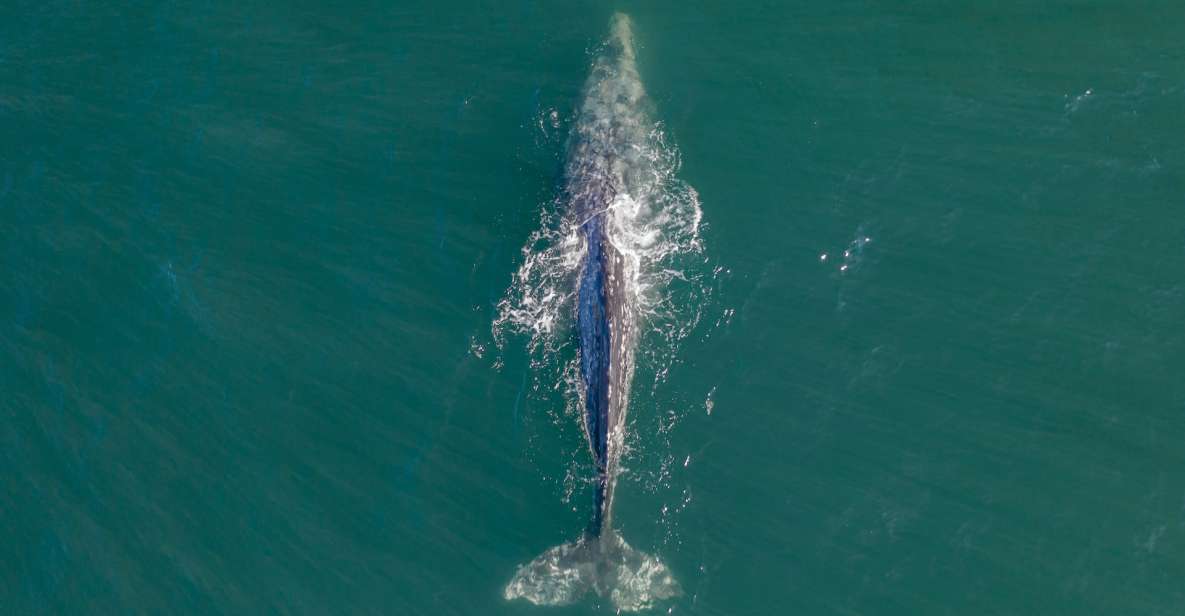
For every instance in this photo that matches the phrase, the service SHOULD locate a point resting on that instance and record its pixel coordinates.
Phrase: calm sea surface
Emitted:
(251, 255)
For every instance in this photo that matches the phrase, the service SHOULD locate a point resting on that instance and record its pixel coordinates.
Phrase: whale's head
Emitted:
(621, 33)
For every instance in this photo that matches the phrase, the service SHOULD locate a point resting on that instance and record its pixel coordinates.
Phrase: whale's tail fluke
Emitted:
(604, 564)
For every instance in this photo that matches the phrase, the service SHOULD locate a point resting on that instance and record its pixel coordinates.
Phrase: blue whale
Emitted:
(609, 125)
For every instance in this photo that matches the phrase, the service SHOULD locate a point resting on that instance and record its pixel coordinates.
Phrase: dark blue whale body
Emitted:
(592, 318)
(604, 137)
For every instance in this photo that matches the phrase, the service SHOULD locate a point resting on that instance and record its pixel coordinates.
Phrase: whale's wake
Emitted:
(620, 162)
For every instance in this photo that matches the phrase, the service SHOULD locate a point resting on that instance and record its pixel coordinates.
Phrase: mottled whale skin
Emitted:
(604, 319)
(595, 182)
(610, 125)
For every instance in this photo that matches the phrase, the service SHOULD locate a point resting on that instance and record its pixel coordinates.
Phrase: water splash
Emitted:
(655, 221)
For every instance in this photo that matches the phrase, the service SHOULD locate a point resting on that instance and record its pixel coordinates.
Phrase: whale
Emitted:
(596, 181)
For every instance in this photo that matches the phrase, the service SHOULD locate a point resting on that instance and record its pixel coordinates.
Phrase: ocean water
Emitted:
(922, 355)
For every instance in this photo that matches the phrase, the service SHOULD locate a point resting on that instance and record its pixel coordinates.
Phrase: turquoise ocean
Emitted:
(266, 344)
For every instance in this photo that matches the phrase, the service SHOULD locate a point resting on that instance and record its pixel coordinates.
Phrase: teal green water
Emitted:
(251, 255)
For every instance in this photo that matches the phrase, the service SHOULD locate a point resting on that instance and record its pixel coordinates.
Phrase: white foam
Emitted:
(653, 220)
